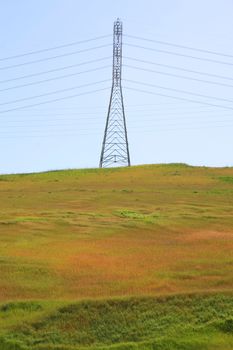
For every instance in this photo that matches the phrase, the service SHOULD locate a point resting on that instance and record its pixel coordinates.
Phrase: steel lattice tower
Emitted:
(115, 148)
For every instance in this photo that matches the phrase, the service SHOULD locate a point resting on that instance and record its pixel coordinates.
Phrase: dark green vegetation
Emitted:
(175, 322)
(131, 258)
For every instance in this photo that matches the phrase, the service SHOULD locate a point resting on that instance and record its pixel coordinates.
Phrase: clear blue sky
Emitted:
(68, 133)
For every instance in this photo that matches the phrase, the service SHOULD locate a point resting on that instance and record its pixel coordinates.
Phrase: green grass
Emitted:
(128, 258)
(144, 217)
(175, 322)
(228, 179)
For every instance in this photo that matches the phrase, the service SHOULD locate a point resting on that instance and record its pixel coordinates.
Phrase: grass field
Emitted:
(150, 247)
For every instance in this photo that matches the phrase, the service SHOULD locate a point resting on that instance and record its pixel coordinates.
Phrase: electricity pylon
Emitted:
(115, 148)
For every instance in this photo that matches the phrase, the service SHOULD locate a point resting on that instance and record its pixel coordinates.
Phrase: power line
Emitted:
(175, 111)
(69, 122)
(179, 54)
(179, 46)
(178, 98)
(53, 92)
(55, 47)
(89, 120)
(132, 128)
(136, 113)
(54, 57)
(139, 130)
(178, 76)
(53, 70)
(63, 90)
(51, 101)
(179, 91)
(179, 68)
(171, 104)
(152, 113)
(187, 128)
(55, 78)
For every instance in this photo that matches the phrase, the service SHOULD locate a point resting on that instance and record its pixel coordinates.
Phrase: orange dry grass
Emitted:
(144, 230)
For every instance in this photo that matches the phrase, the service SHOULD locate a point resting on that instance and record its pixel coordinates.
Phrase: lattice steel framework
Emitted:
(115, 148)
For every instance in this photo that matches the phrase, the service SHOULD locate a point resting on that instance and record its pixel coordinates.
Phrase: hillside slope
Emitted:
(138, 239)
(143, 230)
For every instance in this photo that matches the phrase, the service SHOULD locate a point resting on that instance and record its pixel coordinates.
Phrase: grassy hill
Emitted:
(150, 247)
